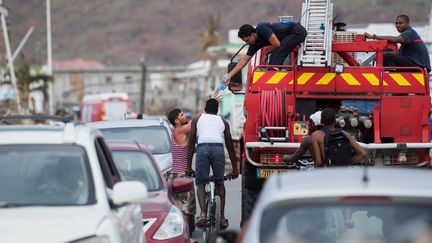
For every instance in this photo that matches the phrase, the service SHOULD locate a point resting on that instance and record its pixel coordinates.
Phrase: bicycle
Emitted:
(213, 209)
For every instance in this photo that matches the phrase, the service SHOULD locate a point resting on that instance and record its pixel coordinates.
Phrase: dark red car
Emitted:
(162, 220)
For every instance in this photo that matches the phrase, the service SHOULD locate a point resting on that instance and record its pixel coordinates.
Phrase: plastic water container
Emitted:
(219, 90)
(221, 87)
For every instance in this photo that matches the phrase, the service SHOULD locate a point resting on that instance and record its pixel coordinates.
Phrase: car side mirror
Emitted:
(182, 184)
(235, 84)
(129, 192)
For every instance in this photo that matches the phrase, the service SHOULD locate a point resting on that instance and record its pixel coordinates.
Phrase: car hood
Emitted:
(48, 224)
(164, 161)
(157, 201)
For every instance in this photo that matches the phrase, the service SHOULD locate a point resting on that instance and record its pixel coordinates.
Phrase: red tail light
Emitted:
(271, 158)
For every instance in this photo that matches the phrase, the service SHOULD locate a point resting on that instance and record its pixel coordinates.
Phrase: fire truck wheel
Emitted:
(251, 187)
(249, 197)
(249, 175)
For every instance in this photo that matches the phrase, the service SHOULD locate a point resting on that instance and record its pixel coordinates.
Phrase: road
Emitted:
(232, 207)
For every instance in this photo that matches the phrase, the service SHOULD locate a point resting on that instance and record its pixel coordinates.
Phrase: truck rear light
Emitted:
(402, 158)
(271, 158)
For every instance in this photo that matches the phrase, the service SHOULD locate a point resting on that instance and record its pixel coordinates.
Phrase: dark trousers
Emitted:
(288, 43)
(394, 60)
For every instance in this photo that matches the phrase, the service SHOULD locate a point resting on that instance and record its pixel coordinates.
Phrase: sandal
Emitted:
(201, 222)
(224, 223)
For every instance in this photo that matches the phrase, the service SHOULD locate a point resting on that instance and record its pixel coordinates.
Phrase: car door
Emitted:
(128, 217)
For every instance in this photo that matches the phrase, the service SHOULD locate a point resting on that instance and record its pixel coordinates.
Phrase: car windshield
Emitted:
(44, 175)
(366, 222)
(135, 165)
(155, 138)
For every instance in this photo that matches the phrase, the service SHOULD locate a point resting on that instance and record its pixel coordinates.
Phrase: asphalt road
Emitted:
(232, 207)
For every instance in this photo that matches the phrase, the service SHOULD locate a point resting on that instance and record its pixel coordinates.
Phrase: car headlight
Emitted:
(94, 239)
(172, 225)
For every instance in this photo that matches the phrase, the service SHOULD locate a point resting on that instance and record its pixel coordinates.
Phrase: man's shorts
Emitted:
(209, 155)
(185, 201)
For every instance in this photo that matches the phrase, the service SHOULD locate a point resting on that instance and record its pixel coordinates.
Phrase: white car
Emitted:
(154, 133)
(344, 205)
(59, 184)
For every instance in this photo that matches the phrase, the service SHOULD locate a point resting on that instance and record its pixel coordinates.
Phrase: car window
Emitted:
(344, 223)
(155, 138)
(135, 165)
(45, 175)
(110, 174)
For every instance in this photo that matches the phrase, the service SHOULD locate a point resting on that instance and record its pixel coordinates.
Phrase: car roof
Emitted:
(334, 182)
(39, 134)
(128, 123)
(127, 145)
(339, 185)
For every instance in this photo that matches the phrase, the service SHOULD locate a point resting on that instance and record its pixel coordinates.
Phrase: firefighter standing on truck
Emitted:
(281, 37)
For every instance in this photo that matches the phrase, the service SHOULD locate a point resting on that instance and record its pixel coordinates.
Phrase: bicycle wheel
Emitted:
(217, 213)
(206, 231)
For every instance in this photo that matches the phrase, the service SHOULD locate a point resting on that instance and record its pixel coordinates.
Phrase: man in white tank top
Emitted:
(209, 131)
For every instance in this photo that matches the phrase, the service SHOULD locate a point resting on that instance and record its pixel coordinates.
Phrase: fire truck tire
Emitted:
(249, 196)
(249, 174)
(251, 187)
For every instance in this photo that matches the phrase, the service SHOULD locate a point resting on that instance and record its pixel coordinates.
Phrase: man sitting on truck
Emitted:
(412, 52)
(281, 37)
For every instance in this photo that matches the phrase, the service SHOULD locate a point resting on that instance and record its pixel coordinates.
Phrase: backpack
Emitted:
(338, 150)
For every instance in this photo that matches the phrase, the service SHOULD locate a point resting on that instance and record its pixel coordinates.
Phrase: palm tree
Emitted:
(25, 79)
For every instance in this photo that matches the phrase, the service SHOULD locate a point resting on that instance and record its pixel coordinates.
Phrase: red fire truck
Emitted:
(105, 106)
(386, 108)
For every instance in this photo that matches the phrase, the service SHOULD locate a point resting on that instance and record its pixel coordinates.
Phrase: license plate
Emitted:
(265, 173)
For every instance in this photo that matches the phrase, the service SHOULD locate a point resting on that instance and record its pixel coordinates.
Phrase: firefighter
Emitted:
(412, 52)
(281, 37)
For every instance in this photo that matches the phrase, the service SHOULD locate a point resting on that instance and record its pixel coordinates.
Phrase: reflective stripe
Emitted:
(399, 79)
(350, 79)
(304, 78)
(326, 79)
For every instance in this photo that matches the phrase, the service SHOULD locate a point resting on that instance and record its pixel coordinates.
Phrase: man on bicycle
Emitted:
(209, 131)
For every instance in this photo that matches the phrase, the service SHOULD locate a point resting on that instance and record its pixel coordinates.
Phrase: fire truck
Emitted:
(386, 108)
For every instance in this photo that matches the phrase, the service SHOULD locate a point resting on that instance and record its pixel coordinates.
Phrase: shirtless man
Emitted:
(179, 144)
(328, 120)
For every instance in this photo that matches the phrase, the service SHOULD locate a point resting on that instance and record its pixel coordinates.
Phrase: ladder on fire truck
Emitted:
(315, 51)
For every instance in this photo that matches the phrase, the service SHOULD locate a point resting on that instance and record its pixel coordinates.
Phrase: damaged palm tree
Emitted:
(29, 84)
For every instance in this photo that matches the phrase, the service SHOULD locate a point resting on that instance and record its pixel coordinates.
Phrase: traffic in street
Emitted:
(189, 121)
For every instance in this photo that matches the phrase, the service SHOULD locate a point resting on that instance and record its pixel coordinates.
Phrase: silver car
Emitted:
(154, 133)
(344, 205)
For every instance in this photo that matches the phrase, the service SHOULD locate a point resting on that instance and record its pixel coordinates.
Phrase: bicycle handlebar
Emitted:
(211, 177)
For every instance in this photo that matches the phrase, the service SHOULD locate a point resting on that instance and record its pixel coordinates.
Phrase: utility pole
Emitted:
(49, 57)
(141, 107)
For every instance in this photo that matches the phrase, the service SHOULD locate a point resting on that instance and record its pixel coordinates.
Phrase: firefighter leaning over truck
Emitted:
(386, 108)
(281, 38)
